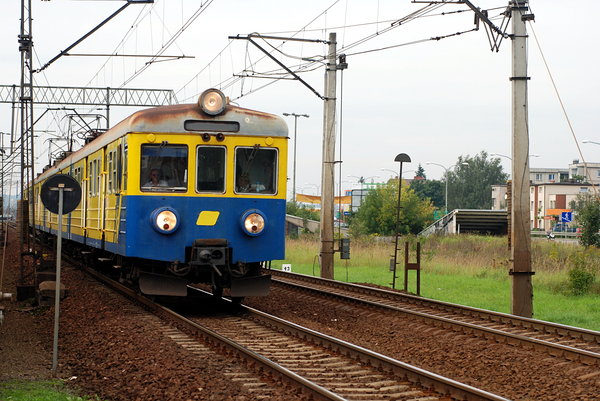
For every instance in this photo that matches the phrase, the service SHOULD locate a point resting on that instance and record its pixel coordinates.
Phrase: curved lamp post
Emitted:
(401, 158)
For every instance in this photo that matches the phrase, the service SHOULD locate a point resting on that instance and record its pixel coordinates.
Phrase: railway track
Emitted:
(320, 365)
(558, 340)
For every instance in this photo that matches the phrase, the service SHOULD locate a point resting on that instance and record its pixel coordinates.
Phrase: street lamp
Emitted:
(395, 172)
(510, 158)
(387, 169)
(588, 141)
(446, 173)
(400, 158)
(295, 131)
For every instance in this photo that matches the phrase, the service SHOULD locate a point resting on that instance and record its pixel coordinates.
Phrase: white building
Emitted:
(547, 201)
(590, 171)
(548, 175)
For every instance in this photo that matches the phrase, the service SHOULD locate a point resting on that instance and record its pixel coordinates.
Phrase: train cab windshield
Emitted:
(255, 170)
(164, 168)
(211, 169)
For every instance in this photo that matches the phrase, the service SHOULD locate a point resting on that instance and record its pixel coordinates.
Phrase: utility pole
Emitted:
(327, 176)
(522, 290)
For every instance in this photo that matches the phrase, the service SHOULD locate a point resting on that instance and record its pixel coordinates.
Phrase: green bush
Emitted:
(581, 277)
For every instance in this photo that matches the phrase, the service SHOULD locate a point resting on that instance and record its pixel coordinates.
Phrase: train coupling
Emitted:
(210, 252)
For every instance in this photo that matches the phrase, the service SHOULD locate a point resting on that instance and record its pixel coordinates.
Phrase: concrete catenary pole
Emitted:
(522, 290)
(327, 182)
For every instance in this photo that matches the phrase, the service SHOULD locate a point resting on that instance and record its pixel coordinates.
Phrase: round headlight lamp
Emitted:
(253, 222)
(212, 102)
(165, 220)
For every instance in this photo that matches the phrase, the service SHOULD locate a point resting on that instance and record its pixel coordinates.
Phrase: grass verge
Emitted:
(473, 271)
(38, 391)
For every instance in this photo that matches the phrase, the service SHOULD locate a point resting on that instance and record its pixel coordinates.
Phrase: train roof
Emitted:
(172, 119)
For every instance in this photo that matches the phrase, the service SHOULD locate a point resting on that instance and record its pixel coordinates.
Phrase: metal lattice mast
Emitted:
(26, 110)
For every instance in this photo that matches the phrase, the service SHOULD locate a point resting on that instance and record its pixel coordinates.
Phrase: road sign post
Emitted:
(60, 194)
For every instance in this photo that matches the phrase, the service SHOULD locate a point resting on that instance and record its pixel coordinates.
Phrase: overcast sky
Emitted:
(434, 100)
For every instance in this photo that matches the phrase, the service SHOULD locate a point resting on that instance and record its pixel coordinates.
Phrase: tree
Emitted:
(588, 217)
(470, 185)
(377, 213)
(299, 210)
(428, 189)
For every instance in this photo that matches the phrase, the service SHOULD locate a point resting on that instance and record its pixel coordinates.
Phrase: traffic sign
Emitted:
(71, 193)
(566, 217)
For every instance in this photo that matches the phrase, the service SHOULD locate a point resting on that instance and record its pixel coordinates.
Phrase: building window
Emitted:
(583, 189)
(538, 177)
(551, 177)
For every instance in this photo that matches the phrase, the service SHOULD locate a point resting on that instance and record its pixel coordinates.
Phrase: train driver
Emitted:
(243, 183)
(155, 180)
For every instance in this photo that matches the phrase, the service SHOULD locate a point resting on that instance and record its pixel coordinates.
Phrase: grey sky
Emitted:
(433, 100)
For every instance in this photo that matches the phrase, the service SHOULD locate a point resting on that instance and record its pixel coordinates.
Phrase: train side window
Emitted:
(111, 168)
(90, 179)
(256, 170)
(164, 168)
(125, 147)
(210, 173)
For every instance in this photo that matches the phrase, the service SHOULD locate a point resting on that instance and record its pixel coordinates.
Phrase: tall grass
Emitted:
(472, 270)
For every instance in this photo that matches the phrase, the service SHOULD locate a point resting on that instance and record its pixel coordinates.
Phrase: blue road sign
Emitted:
(566, 217)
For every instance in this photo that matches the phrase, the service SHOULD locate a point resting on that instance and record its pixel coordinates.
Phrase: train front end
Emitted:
(205, 199)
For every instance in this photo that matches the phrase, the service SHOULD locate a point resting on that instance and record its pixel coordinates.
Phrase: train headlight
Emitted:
(165, 220)
(253, 222)
(212, 102)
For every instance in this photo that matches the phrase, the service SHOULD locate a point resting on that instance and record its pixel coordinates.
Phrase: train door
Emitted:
(77, 215)
(112, 193)
(94, 205)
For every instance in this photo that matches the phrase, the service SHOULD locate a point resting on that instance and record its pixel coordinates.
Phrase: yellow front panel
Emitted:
(194, 140)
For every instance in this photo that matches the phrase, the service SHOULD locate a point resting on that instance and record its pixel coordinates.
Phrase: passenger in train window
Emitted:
(154, 179)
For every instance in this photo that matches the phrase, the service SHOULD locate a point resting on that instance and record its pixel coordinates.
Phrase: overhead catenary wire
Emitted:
(394, 24)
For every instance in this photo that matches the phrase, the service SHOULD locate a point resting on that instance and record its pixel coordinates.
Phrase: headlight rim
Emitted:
(154, 216)
(207, 110)
(247, 214)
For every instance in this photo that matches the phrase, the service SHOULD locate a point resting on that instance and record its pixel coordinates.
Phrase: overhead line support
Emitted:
(296, 76)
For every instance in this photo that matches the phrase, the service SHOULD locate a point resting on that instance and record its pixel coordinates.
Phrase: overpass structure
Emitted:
(492, 222)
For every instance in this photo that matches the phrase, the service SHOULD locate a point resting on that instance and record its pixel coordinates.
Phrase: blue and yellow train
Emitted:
(180, 194)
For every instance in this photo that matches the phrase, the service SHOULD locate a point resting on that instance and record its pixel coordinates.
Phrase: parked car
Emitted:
(563, 228)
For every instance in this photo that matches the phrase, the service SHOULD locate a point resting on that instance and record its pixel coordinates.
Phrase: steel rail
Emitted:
(493, 316)
(423, 378)
(214, 338)
(416, 375)
(572, 353)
